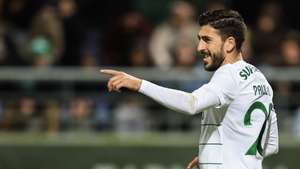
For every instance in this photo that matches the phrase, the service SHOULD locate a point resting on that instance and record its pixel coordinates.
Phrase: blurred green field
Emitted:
(103, 139)
(116, 139)
(84, 150)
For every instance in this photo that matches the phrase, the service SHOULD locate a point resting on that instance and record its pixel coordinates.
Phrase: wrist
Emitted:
(138, 84)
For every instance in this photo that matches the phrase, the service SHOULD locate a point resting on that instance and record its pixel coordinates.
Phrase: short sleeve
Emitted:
(224, 85)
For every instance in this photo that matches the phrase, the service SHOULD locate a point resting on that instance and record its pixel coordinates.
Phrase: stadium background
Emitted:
(55, 111)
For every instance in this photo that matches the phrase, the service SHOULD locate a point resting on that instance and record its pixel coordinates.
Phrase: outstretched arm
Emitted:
(189, 103)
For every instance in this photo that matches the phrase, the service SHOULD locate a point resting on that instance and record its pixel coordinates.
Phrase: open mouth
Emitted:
(204, 54)
(205, 57)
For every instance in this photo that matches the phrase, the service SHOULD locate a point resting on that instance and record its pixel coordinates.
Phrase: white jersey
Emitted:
(238, 121)
(232, 132)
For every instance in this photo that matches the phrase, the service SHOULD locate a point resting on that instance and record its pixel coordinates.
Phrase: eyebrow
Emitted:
(205, 38)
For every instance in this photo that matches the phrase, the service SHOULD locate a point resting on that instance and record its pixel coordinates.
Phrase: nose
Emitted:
(201, 46)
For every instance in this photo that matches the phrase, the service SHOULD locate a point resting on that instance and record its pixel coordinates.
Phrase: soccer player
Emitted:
(238, 123)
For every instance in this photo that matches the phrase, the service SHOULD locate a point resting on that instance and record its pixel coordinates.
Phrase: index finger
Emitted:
(110, 72)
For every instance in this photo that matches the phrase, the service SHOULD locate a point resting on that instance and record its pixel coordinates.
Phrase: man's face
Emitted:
(210, 47)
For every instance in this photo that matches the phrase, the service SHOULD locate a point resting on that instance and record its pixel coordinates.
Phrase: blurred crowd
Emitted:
(49, 33)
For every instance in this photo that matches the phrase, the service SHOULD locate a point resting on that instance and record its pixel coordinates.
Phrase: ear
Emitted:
(229, 44)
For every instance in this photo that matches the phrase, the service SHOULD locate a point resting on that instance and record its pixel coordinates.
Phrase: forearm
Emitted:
(188, 103)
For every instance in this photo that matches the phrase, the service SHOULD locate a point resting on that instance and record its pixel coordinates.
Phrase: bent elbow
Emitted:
(192, 110)
(189, 105)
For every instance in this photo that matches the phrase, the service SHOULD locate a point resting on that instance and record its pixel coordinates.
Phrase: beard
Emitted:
(216, 59)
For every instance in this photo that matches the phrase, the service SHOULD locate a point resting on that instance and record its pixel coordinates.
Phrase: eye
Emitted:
(206, 39)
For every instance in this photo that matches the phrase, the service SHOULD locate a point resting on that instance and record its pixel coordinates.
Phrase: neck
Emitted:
(232, 58)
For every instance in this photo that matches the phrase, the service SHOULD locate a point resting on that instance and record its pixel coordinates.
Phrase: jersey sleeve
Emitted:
(188, 103)
(224, 85)
(272, 146)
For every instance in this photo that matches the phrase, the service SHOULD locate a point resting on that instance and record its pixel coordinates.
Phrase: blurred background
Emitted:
(55, 110)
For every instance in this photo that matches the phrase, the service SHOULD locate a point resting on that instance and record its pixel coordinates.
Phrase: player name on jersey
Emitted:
(261, 89)
(247, 71)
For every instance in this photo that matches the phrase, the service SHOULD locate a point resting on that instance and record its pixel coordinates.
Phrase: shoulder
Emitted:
(224, 84)
(225, 77)
(225, 72)
(240, 72)
(235, 74)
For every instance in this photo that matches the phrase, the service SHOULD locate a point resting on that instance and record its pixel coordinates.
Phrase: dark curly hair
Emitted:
(228, 22)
